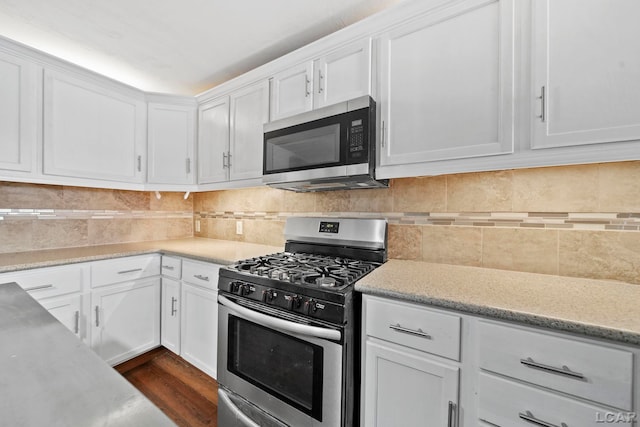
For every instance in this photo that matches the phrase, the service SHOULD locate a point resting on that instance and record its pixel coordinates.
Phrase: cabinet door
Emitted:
(171, 139)
(213, 141)
(199, 329)
(92, 131)
(68, 311)
(403, 389)
(18, 112)
(170, 323)
(125, 320)
(585, 77)
(249, 112)
(447, 84)
(291, 91)
(343, 74)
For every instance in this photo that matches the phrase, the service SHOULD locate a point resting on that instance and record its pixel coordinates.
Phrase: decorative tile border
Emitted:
(551, 220)
(27, 214)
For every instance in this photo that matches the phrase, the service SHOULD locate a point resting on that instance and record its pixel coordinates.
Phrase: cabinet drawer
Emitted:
(507, 403)
(587, 370)
(49, 282)
(171, 267)
(200, 273)
(124, 269)
(413, 326)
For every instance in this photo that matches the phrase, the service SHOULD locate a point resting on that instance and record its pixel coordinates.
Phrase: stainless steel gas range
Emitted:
(287, 335)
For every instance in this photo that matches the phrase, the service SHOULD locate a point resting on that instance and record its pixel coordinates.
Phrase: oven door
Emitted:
(291, 370)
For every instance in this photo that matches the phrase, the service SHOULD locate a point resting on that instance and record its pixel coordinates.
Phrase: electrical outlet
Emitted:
(238, 227)
(197, 225)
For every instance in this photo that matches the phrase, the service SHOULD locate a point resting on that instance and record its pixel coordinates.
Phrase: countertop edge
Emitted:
(584, 329)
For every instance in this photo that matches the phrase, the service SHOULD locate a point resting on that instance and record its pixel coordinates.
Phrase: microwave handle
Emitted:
(281, 324)
(246, 421)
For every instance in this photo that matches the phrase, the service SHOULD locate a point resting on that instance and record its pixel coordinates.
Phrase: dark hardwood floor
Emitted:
(184, 393)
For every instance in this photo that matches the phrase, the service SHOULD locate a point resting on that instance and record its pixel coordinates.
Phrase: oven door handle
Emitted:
(238, 413)
(283, 325)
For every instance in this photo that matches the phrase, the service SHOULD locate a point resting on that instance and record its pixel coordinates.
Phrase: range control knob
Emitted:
(245, 289)
(268, 295)
(310, 306)
(234, 287)
(293, 301)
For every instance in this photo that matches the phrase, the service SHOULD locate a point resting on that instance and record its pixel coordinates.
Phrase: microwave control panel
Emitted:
(357, 142)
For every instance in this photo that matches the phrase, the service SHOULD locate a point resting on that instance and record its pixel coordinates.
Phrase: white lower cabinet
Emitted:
(199, 328)
(190, 311)
(406, 388)
(69, 311)
(126, 319)
(505, 374)
(170, 313)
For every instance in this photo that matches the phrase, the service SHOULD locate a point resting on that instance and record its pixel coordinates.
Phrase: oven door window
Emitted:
(286, 367)
(305, 149)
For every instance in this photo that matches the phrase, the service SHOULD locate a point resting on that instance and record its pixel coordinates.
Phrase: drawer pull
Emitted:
(528, 416)
(562, 371)
(169, 267)
(35, 288)
(201, 277)
(419, 332)
(129, 271)
(97, 316)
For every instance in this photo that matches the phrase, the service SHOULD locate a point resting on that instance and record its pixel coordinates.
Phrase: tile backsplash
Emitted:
(581, 221)
(34, 217)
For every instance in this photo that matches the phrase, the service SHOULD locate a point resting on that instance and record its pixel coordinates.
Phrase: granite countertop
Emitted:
(49, 377)
(596, 308)
(210, 250)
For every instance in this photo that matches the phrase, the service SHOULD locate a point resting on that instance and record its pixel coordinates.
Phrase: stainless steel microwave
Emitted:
(331, 148)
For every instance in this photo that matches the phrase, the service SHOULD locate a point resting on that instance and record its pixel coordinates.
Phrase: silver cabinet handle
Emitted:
(543, 104)
(35, 288)
(320, 80)
(529, 362)
(168, 267)
(173, 306)
(382, 135)
(224, 160)
(201, 277)
(188, 165)
(97, 316)
(307, 92)
(76, 329)
(229, 159)
(528, 416)
(129, 271)
(139, 163)
(451, 414)
(419, 332)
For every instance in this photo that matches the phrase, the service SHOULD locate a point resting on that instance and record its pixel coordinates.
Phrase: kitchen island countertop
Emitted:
(595, 308)
(210, 250)
(50, 378)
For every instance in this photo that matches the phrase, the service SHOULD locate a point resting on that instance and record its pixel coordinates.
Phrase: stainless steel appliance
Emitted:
(331, 148)
(287, 335)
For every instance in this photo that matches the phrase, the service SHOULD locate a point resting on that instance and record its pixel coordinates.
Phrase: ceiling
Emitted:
(179, 47)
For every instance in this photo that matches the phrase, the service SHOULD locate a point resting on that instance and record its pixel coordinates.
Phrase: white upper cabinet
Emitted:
(586, 73)
(18, 113)
(339, 75)
(291, 91)
(171, 136)
(92, 131)
(343, 74)
(249, 109)
(447, 84)
(231, 136)
(213, 141)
